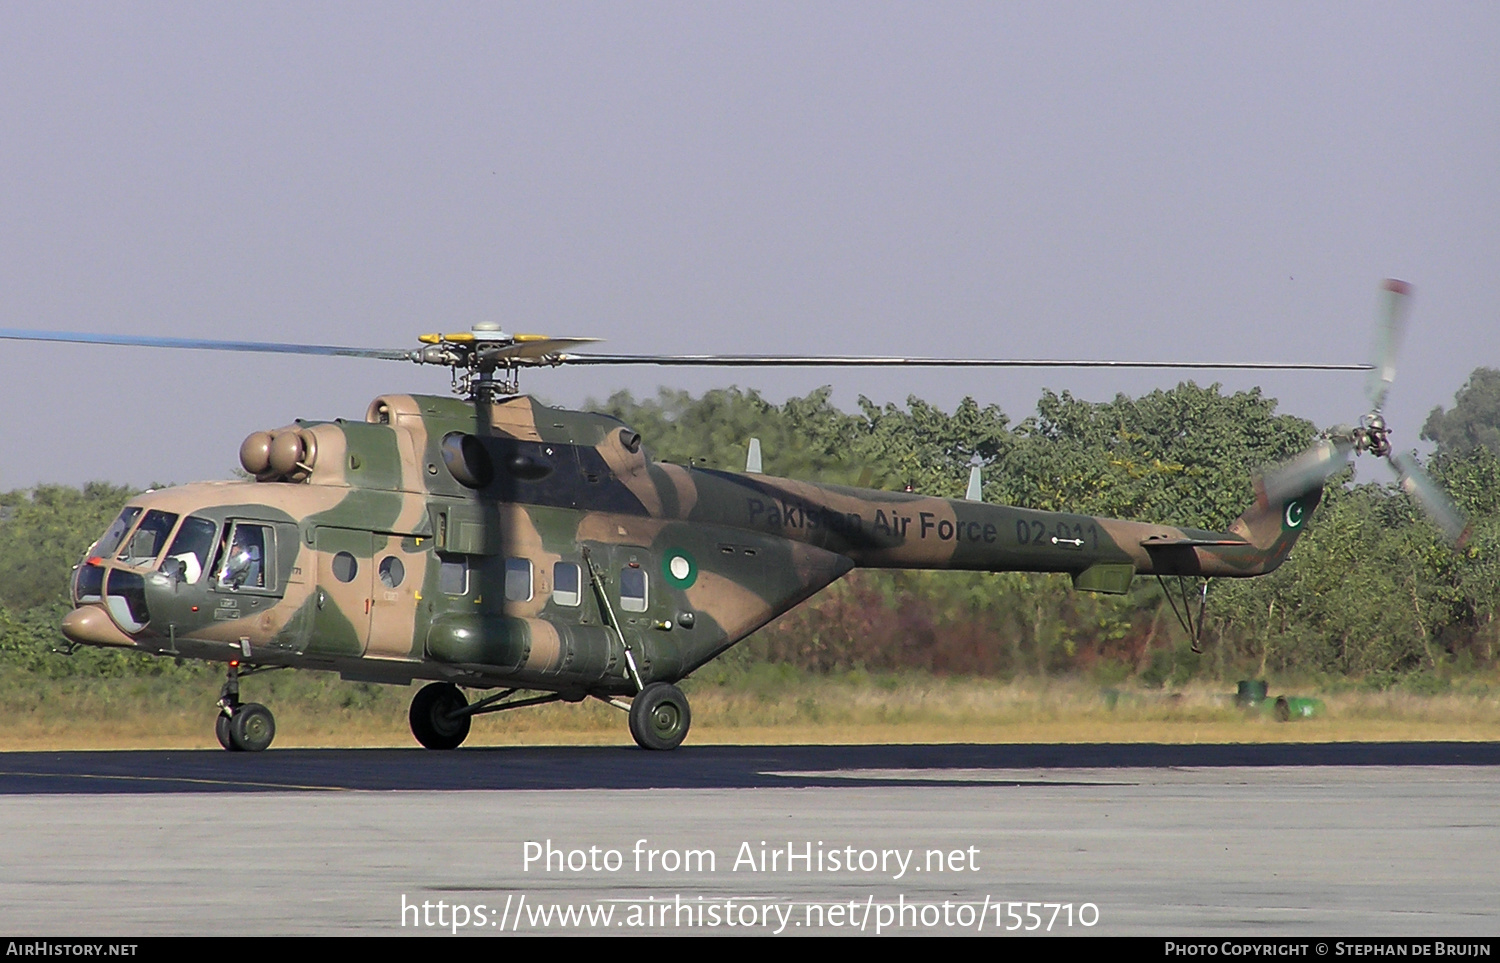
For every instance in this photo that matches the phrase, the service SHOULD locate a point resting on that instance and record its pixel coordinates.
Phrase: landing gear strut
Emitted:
(1191, 622)
(242, 727)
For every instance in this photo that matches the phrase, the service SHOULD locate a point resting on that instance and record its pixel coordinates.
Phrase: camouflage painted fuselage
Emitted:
(561, 545)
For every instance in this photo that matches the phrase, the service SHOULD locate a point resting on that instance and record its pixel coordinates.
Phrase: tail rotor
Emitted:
(1433, 500)
(1307, 471)
(1390, 329)
(1313, 467)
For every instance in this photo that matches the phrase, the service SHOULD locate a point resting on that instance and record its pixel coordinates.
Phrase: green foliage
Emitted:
(805, 438)
(44, 533)
(30, 642)
(1182, 456)
(924, 448)
(1372, 591)
(1170, 667)
(1474, 421)
(1426, 683)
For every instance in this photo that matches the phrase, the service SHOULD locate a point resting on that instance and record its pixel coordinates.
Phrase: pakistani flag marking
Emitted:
(679, 568)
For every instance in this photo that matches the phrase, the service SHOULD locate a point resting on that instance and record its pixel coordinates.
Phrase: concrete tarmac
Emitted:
(825, 839)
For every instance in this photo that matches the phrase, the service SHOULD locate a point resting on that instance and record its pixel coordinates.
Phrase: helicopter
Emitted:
(487, 541)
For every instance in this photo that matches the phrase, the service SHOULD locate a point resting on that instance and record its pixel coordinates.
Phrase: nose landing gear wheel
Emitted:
(659, 717)
(251, 728)
(432, 716)
(221, 729)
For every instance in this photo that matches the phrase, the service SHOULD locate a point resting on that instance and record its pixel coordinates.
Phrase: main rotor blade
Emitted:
(814, 361)
(1433, 500)
(553, 350)
(144, 341)
(1390, 328)
(531, 350)
(1303, 473)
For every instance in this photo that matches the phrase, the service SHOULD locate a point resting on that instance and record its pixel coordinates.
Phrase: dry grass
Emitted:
(760, 708)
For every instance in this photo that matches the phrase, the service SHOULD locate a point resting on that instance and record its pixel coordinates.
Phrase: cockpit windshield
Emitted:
(148, 539)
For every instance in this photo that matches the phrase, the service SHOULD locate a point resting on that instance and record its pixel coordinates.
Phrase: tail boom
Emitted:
(878, 529)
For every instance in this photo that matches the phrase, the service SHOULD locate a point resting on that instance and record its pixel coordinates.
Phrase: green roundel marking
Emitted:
(679, 568)
(1294, 514)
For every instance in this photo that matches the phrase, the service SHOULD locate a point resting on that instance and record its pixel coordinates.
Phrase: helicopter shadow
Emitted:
(966, 766)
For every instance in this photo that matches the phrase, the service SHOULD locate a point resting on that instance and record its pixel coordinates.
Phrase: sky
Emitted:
(1078, 180)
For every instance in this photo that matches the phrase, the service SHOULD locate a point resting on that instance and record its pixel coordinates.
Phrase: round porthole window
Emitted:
(391, 571)
(345, 567)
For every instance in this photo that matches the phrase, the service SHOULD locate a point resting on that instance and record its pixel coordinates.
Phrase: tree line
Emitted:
(1371, 591)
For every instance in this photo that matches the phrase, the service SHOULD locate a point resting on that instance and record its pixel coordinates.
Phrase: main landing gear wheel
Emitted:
(251, 728)
(432, 716)
(221, 729)
(659, 717)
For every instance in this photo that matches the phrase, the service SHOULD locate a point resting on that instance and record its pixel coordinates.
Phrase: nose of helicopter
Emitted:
(90, 624)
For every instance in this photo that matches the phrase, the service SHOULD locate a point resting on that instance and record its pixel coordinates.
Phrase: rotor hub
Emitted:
(487, 360)
(1373, 436)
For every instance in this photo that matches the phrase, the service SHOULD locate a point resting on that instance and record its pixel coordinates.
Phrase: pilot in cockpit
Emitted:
(244, 563)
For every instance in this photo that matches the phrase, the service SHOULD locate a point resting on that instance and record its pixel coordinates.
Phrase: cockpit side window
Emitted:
(190, 549)
(247, 561)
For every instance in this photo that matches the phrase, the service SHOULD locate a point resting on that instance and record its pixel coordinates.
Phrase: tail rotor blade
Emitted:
(1303, 473)
(1389, 330)
(1433, 500)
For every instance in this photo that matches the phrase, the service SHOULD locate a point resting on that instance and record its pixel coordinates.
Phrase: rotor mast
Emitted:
(486, 362)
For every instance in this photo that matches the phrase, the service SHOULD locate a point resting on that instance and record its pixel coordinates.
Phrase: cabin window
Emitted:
(567, 583)
(345, 567)
(453, 576)
(632, 590)
(518, 580)
(392, 572)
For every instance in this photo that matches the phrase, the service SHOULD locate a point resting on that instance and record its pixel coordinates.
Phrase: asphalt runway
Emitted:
(1340, 840)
